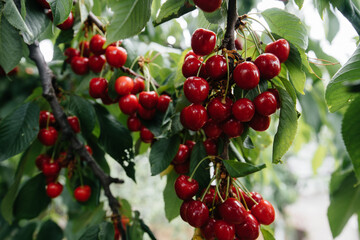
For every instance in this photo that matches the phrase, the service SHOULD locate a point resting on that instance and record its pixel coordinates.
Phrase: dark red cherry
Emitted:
(96, 44)
(265, 103)
(268, 65)
(182, 168)
(74, 123)
(185, 187)
(264, 212)
(216, 67)
(139, 85)
(232, 128)
(243, 110)
(246, 75)
(208, 5)
(212, 129)
(146, 114)
(260, 122)
(96, 63)
(277, 96)
(183, 210)
(238, 44)
(41, 159)
(84, 47)
(128, 104)
(210, 147)
(48, 136)
(224, 230)
(70, 53)
(146, 135)
(124, 85)
(208, 231)
(190, 144)
(50, 169)
(209, 197)
(133, 124)
(255, 196)
(88, 148)
(80, 65)
(46, 117)
(82, 193)
(182, 155)
(163, 103)
(232, 211)
(197, 214)
(44, 4)
(218, 109)
(196, 89)
(190, 66)
(98, 87)
(250, 229)
(107, 100)
(280, 48)
(148, 99)
(68, 23)
(203, 41)
(54, 189)
(116, 56)
(193, 117)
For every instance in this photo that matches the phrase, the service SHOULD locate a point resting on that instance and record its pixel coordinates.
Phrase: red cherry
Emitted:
(48, 136)
(124, 85)
(212, 129)
(280, 48)
(224, 230)
(116, 56)
(80, 65)
(54, 189)
(82, 193)
(41, 159)
(255, 196)
(197, 214)
(74, 123)
(146, 135)
(208, 5)
(268, 65)
(88, 148)
(146, 113)
(203, 41)
(107, 100)
(208, 231)
(70, 53)
(98, 87)
(44, 117)
(232, 211)
(238, 44)
(191, 53)
(196, 89)
(191, 66)
(264, 212)
(265, 103)
(50, 169)
(182, 155)
(163, 103)
(139, 85)
(250, 229)
(193, 117)
(148, 99)
(209, 197)
(190, 144)
(246, 75)
(96, 44)
(243, 110)
(44, 4)
(210, 147)
(259, 122)
(68, 23)
(183, 210)
(133, 124)
(49, 14)
(128, 104)
(96, 63)
(84, 47)
(216, 67)
(219, 110)
(232, 127)
(182, 168)
(185, 187)
(277, 96)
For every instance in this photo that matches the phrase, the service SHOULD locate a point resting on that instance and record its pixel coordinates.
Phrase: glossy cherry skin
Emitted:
(97, 87)
(264, 212)
(80, 65)
(70, 53)
(128, 104)
(191, 53)
(163, 103)
(48, 136)
(193, 117)
(44, 4)
(232, 211)
(246, 75)
(41, 159)
(212, 129)
(210, 147)
(182, 168)
(146, 113)
(208, 231)
(74, 123)
(268, 65)
(68, 23)
(84, 47)
(96, 63)
(96, 44)
(216, 67)
(54, 189)
(197, 214)
(133, 124)
(190, 144)
(146, 135)
(208, 5)
(265, 103)
(185, 187)
(190, 66)
(203, 41)
(243, 109)
(232, 128)
(250, 229)
(50, 169)
(44, 117)
(183, 210)
(149, 99)
(277, 96)
(254, 195)
(238, 44)
(280, 48)
(82, 193)
(209, 197)
(116, 56)
(219, 110)
(88, 148)
(224, 230)
(139, 85)
(124, 85)
(196, 89)
(182, 155)
(259, 122)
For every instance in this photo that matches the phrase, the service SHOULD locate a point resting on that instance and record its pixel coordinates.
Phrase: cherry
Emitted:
(44, 4)
(197, 214)
(232, 211)
(224, 230)
(238, 44)
(163, 103)
(41, 159)
(212, 129)
(210, 147)
(190, 53)
(216, 67)
(249, 229)
(265, 103)
(190, 66)
(208, 231)
(146, 113)
(182, 168)
(182, 155)
(139, 85)
(98, 87)
(84, 47)
(219, 110)
(88, 148)
(54, 189)
(280, 48)
(209, 196)
(50, 169)
(116, 56)
(124, 85)
(96, 63)
(80, 65)
(196, 89)
(243, 110)
(246, 75)
(190, 144)
(48, 136)
(44, 117)
(128, 104)
(232, 127)
(107, 100)
(277, 96)
(183, 210)
(70, 53)
(203, 41)
(260, 122)
(82, 193)
(96, 44)
(185, 187)
(208, 5)
(74, 123)
(68, 23)
(146, 135)
(148, 99)
(193, 117)
(254, 195)
(264, 212)
(268, 65)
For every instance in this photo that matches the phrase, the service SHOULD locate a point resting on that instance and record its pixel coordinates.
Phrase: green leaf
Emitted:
(287, 26)
(321, 5)
(130, 17)
(32, 198)
(18, 130)
(202, 174)
(85, 111)
(172, 9)
(218, 16)
(50, 230)
(296, 69)
(162, 153)
(239, 169)
(289, 88)
(106, 231)
(332, 26)
(25, 232)
(318, 158)
(134, 230)
(336, 94)
(287, 126)
(299, 3)
(172, 202)
(116, 140)
(91, 233)
(12, 14)
(267, 233)
(61, 10)
(350, 130)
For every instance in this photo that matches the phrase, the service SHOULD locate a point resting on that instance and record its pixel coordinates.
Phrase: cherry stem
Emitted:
(267, 31)
(242, 196)
(227, 186)
(147, 77)
(245, 42)
(228, 77)
(197, 166)
(246, 191)
(204, 61)
(258, 89)
(253, 37)
(134, 62)
(217, 190)
(207, 188)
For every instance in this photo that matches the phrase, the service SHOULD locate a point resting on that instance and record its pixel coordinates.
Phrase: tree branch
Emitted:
(232, 16)
(46, 77)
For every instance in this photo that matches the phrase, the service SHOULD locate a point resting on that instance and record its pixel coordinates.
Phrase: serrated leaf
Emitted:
(85, 111)
(172, 202)
(287, 126)
(60, 9)
(18, 130)
(295, 68)
(289, 88)
(106, 231)
(14, 17)
(240, 169)
(50, 230)
(162, 153)
(172, 9)
(130, 17)
(202, 174)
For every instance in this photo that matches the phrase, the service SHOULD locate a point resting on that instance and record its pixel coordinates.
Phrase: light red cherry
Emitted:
(146, 135)
(148, 99)
(133, 124)
(246, 75)
(264, 212)
(243, 109)
(216, 67)
(48, 136)
(259, 122)
(96, 44)
(70, 53)
(96, 63)
(98, 87)
(265, 103)
(82, 193)
(123, 85)
(182, 155)
(268, 65)
(128, 104)
(220, 109)
(208, 5)
(74, 123)
(80, 65)
(197, 214)
(163, 103)
(116, 56)
(232, 211)
(186, 188)
(203, 41)
(53, 190)
(232, 128)
(196, 89)
(68, 23)
(193, 117)
(280, 48)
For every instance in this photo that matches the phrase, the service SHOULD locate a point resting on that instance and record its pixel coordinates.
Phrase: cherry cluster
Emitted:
(67, 24)
(50, 165)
